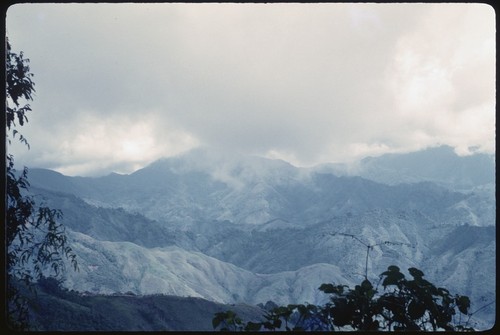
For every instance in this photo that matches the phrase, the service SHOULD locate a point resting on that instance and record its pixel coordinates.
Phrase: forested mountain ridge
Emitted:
(248, 229)
(440, 165)
(58, 309)
(255, 190)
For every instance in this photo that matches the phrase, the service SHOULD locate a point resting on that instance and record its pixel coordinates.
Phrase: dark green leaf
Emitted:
(463, 303)
(216, 321)
(366, 285)
(416, 309)
(328, 288)
(393, 278)
(416, 273)
(253, 326)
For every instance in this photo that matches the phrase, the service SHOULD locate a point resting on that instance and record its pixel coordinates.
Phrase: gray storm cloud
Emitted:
(119, 86)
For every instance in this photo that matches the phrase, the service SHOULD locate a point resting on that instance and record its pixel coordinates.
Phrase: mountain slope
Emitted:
(250, 229)
(256, 194)
(109, 267)
(440, 165)
(54, 309)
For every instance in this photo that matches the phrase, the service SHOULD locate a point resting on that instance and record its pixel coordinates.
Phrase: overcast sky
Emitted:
(121, 85)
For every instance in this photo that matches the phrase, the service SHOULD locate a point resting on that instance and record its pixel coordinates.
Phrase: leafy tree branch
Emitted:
(35, 238)
(401, 305)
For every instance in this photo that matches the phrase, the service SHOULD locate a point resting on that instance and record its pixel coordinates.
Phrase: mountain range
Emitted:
(244, 229)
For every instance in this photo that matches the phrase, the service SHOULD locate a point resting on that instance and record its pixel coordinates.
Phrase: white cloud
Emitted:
(103, 143)
(443, 81)
(307, 83)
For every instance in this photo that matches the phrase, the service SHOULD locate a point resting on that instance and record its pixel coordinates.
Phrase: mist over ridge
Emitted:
(200, 157)
(259, 221)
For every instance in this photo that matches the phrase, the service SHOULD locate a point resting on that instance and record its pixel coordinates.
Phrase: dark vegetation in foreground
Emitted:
(403, 305)
(53, 308)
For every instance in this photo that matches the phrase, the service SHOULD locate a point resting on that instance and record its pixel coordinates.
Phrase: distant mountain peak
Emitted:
(436, 164)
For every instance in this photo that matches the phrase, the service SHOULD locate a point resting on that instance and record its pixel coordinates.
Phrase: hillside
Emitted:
(235, 229)
(440, 165)
(53, 309)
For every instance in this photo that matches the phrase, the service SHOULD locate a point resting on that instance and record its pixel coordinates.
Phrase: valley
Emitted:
(233, 229)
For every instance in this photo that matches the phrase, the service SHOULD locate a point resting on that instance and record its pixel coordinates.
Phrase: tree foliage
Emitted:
(401, 305)
(35, 238)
